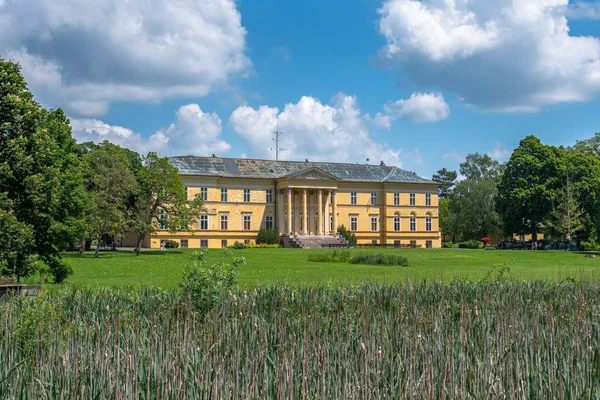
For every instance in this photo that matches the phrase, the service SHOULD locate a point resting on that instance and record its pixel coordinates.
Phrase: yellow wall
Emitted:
(258, 208)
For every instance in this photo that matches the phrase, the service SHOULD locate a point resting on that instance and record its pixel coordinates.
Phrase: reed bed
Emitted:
(426, 341)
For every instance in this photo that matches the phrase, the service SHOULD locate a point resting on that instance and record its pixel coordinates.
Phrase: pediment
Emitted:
(313, 173)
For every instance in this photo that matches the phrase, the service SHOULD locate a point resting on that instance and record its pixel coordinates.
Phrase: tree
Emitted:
(477, 167)
(43, 199)
(527, 187)
(589, 146)
(446, 180)
(566, 214)
(110, 183)
(448, 219)
(474, 207)
(161, 200)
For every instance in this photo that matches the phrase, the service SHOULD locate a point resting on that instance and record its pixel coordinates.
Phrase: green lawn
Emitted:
(291, 266)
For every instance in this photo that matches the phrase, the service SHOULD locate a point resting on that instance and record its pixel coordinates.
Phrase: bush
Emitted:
(359, 258)
(59, 270)
(262, 246)
(470, 244)
(379, 259)
(204, 283)
(267, 236)
(171, 244)
(346, 234)
(590, 246)
(446, 245)
(238, 246)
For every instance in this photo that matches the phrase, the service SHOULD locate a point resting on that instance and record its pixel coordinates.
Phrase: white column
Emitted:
(304, 213)
(334, 211)
(327, 203)
(320, 211)
(289, 211)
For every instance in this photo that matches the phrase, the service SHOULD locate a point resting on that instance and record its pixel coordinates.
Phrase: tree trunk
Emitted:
(138, 244)
(81, 246)
(97, 246)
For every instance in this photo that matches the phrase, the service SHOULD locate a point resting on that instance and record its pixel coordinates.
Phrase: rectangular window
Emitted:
(224, 195)
(354, 223)
(162, 222)
(353, 198)
(203, 223)
(428, 244)
(246, 241)
(413, 224)
(224, 222)
(374, 241)
(223, 243)
(204, 193)
(331, 197)
(374, 224)
(269, 222)
(428, 224)
(428, 199)
(269, 196)
(413, 243)
(396, 199)
(183, 244)
(396, 243)
(247, 222)
(373, 198)
(204, 243)
(246, 195)
(396, 224)
(331, 223)
(413, 200)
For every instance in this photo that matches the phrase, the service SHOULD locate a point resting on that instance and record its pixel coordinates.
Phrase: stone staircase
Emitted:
(316, 241)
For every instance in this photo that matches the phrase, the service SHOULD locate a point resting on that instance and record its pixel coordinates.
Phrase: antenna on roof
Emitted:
(276, 135)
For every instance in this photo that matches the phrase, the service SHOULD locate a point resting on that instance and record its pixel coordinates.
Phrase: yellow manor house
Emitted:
(305, 202)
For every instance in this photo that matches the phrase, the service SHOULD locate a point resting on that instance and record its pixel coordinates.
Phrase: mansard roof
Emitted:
(271, 169)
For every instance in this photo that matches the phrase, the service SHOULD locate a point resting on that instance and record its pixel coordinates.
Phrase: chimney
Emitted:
(214, 155)
(306, 160)
(382, 164)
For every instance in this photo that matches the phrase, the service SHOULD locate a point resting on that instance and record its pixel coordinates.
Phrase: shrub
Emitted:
(360, 258)
(470, 244)
(446, 245)
(59, 270)
(590, 246)
(204, 282)
(238, 246)
(171, 244)
(262, 246)
(267, 236)
(346, 234)
(379, 259)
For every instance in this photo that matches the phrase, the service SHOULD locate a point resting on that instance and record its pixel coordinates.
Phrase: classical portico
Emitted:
(307, 203)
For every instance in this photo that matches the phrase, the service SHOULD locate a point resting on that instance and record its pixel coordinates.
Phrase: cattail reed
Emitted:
(501, 339)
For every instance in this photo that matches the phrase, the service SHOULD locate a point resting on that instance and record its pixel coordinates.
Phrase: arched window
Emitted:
(428, 223)
(397, 226)
(413, 221)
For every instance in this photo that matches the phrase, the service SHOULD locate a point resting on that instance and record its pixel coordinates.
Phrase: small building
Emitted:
(381, 204)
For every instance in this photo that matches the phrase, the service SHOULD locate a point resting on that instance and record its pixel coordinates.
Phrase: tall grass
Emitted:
(499, 339)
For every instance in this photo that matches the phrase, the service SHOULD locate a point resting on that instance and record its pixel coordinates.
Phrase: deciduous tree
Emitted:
(161, 193)
(40, 178)
(110, 183)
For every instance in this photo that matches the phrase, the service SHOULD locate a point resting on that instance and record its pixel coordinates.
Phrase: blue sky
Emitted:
(418, 84)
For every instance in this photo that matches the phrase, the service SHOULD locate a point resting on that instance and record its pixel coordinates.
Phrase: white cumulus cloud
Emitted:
(194, 133)
(83, 55)
(420, 107)
(504, 55)
(313, 130)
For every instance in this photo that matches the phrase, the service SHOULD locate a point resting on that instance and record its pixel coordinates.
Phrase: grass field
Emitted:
(291, 267)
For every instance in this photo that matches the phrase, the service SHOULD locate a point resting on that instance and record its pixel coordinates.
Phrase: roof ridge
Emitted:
(392, 172)
(282, 161)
